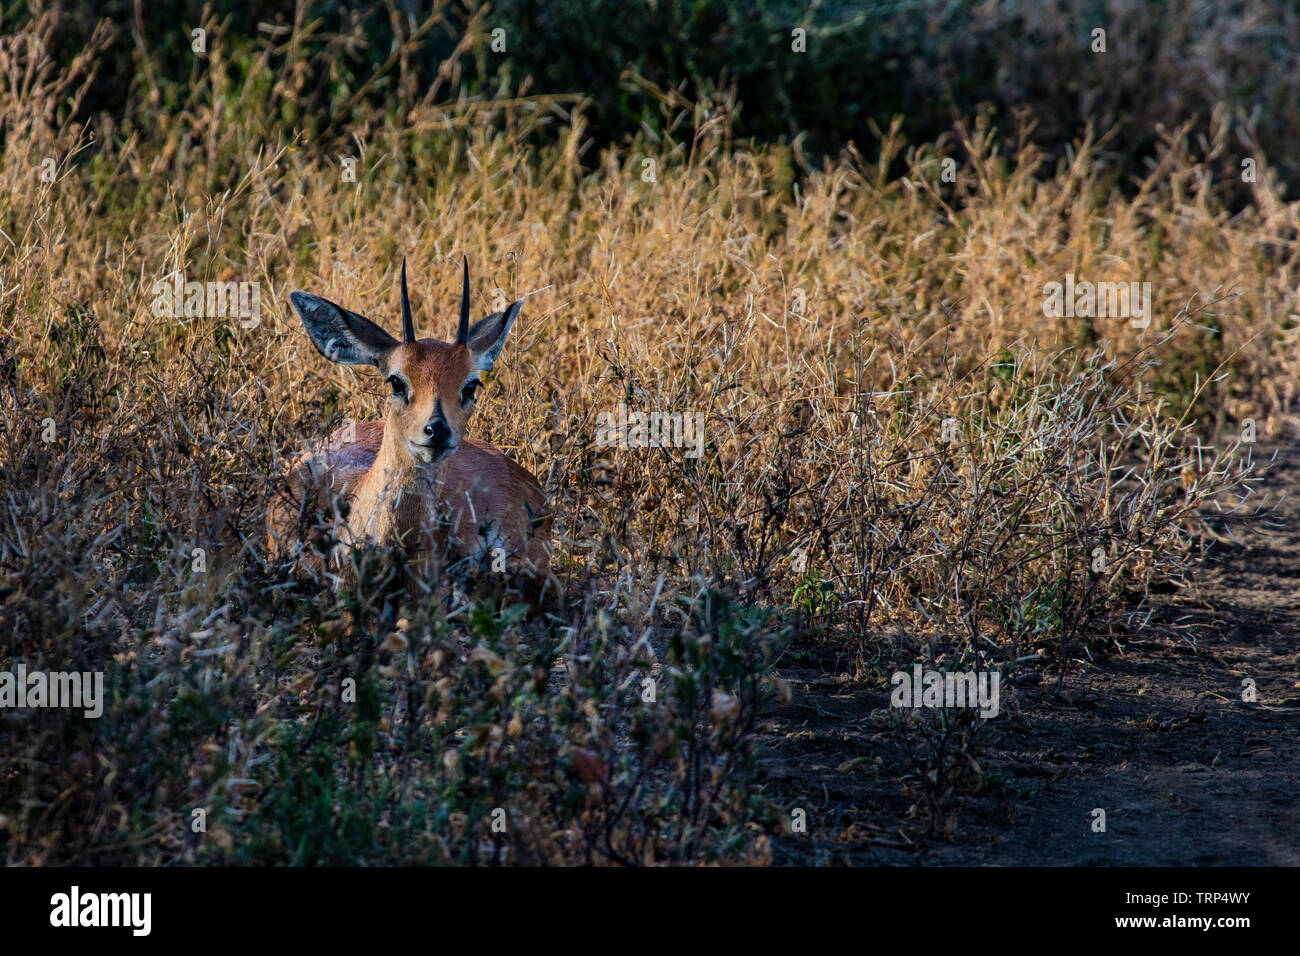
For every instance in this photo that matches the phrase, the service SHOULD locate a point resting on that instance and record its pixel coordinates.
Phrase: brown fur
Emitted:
(432, 508)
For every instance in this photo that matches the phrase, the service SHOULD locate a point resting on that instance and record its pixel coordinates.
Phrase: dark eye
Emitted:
(467, 393)
(399, 387)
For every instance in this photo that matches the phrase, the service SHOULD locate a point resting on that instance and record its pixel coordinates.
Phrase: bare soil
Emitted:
(1157, 735)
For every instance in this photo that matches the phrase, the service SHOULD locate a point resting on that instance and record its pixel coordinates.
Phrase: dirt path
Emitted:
(1158, 736)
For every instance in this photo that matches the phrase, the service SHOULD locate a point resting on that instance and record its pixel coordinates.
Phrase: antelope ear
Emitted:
(487, 336)
(342, 336)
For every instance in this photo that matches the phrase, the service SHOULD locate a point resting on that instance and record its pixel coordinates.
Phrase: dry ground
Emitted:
(1156, 735)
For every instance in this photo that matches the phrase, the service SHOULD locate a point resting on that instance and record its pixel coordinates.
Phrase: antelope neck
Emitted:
(397, 493)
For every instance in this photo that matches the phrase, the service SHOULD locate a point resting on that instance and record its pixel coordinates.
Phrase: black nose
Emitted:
(438, 431)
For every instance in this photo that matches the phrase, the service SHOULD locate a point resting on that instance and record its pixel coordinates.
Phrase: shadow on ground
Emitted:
(1157, 736)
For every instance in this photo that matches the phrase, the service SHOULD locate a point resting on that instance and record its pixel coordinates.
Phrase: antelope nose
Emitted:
(438, 431)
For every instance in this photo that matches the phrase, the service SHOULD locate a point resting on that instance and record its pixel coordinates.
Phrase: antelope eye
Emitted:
(467, 393)
(399, 387)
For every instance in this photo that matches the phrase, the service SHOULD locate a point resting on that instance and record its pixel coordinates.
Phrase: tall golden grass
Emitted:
(898, 438)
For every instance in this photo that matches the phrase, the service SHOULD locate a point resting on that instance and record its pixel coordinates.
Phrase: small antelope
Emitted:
(414, 480)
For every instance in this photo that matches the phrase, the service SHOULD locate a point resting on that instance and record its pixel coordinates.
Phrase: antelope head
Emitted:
(434, 384)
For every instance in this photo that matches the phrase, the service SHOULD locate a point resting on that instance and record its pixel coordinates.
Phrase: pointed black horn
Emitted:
(462, 333)
(408, 322)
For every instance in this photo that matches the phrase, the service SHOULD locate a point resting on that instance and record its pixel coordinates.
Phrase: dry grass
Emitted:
(826, 321)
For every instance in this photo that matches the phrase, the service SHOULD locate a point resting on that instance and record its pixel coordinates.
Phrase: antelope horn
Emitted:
(408, 322)
(462, 333)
